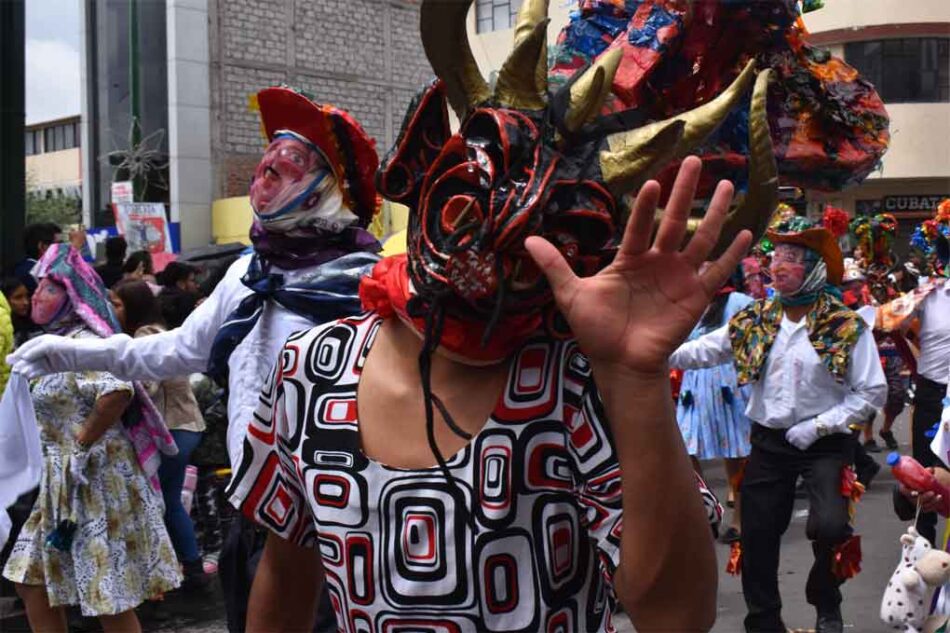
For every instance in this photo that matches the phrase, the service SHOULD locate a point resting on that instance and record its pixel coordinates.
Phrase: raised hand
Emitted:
(635, 312)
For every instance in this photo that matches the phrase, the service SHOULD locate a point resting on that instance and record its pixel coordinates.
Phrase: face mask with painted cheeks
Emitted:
(789, 267)
(291, 186)
(50, 301)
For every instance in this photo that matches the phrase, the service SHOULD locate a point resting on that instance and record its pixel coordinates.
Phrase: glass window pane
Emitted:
(501, 16)
(907, 70)
(69, 137)
(49, 141)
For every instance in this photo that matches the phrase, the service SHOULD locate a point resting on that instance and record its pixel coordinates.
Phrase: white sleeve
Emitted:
(177, 352)
(946, 403)
(708, 350)
(867, 385)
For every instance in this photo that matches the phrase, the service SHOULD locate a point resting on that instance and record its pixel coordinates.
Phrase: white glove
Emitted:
(50, 354)
(806, 432)
(803, 434)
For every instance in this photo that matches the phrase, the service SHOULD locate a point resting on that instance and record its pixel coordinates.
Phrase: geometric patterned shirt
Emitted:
(540, 482)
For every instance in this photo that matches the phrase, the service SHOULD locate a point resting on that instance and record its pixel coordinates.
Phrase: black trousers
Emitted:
(928, 405)
(768, 495)
(240, 555)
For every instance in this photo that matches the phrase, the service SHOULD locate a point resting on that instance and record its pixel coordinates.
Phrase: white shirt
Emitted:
(934, 315)
(795, 385)
(185, 349)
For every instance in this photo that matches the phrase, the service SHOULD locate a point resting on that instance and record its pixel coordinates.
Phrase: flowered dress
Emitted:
(711, 406)
(120, 554)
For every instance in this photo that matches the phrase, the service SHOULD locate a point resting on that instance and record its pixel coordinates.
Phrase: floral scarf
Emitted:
(833, 330)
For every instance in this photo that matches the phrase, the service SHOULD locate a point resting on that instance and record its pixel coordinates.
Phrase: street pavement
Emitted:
(876, 522)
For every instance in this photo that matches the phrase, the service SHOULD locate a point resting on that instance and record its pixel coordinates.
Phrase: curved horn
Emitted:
(522, 80)
(445, 40)
(754, 212)
(616, 165)
(590, 91)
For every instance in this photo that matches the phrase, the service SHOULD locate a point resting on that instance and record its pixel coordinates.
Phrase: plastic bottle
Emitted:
(909, 472)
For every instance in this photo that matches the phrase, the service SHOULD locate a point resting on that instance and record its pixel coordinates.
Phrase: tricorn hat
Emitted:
(348, 149)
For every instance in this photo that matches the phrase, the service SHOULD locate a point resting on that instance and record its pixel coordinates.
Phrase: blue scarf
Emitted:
(331, 293)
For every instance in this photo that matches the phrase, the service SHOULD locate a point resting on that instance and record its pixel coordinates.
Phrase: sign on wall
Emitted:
(914, 203)
(144, 226)
(122, 191)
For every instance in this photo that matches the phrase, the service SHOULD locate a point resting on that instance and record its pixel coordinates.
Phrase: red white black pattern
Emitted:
(541, 479)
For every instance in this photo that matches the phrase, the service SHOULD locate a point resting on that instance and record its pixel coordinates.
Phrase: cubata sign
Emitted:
(897, 204)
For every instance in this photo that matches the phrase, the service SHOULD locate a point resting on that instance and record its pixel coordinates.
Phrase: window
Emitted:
(495, 15)
(32, 143)
(60, 137)
(49, 139)
(909, 70)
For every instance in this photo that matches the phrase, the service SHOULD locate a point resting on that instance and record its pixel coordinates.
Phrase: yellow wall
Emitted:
(55, 169)
(231, 220)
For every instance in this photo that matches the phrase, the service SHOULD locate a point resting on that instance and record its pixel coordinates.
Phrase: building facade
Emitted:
(53, 157)
(361, 55)
(905, 53)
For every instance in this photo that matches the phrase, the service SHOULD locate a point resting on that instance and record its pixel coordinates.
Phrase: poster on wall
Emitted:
(145, 228)
(122, 192)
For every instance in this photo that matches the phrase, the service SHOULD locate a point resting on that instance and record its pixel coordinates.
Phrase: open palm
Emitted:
(636, 311)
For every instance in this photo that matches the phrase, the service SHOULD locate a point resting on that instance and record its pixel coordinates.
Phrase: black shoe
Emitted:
(871, 446)
(867, 472)
(829, 622)
(889, 440)
(731, 535)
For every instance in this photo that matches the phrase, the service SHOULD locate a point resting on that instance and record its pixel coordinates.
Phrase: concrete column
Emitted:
(189, 120)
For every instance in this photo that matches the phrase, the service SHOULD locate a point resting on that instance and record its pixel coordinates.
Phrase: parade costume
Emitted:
(929, 305)
(874, 237)
(545, 153)
(95, 537)
(310, 251)
(810, 381)
(711, 406)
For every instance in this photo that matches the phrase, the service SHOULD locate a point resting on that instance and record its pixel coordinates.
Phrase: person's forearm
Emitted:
(708, 350)
(106, 412)
(285, 591)
(667, 577)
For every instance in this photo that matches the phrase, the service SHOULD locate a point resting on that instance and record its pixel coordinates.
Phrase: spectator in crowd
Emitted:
(138, 312)
(180, 294)
(18, 296)
(139, 266)
(111, 271)
(36, 239)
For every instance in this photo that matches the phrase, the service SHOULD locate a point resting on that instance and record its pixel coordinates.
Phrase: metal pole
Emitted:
(134, 93)
(12, 119)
